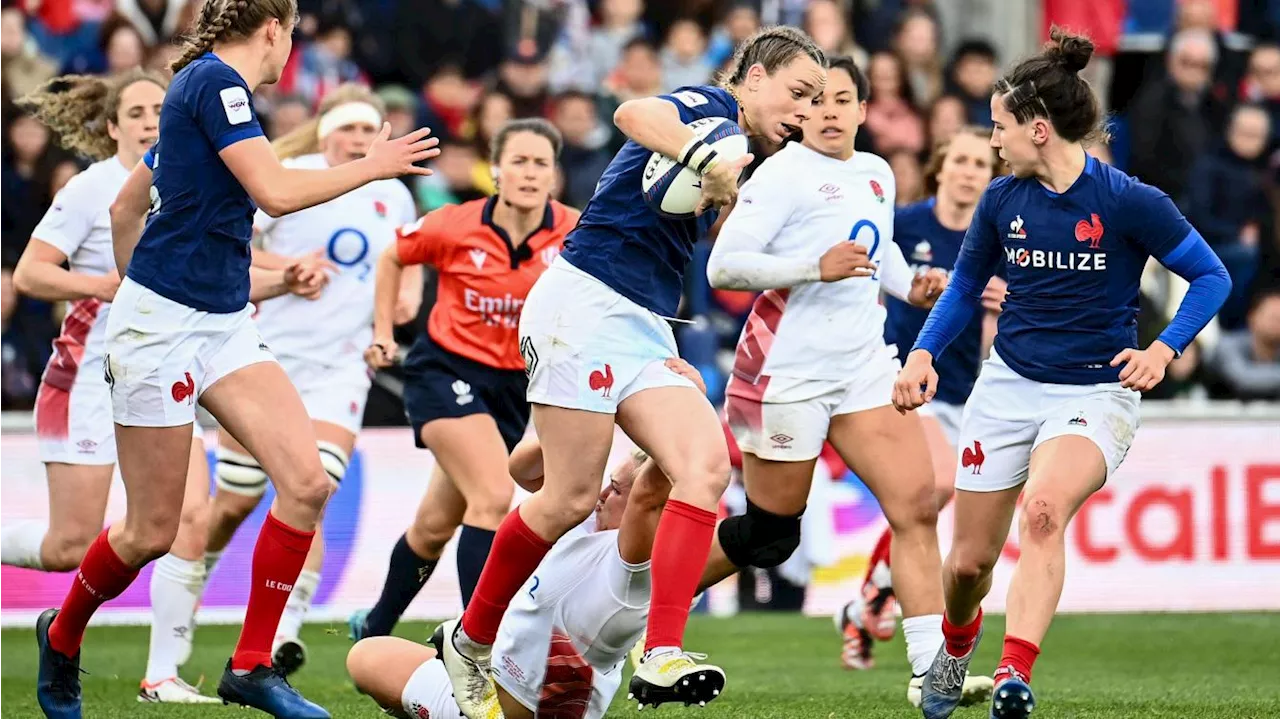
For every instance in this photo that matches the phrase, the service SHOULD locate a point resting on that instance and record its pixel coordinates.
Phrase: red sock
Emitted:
(277, 559)
(1018, 657)
(680, 550)
(515, 554)
(879, 554)
(102, 577)
(960, 639)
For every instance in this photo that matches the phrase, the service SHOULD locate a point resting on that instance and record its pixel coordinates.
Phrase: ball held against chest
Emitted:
(672, 189)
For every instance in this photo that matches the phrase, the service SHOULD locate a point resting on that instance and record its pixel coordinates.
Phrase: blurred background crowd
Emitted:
(1193, 88)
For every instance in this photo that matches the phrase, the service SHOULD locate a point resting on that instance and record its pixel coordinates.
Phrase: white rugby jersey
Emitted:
(796, 206)
(564, 638)
(351, 231)
(78, 223)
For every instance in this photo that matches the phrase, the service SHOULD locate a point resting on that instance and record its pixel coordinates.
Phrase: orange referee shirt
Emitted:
(483, 276)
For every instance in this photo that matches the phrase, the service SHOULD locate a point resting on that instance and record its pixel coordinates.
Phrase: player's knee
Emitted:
(759, 538)
(572, 505)
(970, 568)
(64, 551)
(1044, 519)
(429, 534)
(149, 537)
(914, 512)
(195, 518)
(362, 663)
(240, 474)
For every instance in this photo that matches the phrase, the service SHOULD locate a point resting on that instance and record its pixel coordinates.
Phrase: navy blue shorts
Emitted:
(439, 384)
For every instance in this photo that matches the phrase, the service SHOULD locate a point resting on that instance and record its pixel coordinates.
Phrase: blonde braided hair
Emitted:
(221, 20)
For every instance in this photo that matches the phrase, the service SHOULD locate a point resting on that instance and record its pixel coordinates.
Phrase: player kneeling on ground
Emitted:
(563, 640)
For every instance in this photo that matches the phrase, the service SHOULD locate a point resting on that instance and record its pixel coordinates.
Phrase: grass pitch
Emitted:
(781, 667)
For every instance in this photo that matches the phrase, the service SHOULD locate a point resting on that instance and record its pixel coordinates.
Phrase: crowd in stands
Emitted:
(1193, 87)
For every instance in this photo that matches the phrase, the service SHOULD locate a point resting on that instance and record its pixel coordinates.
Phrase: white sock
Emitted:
(211, 561)
(659, 651)
(20, 544)
(295, 610)
(176, 585)
(881, 576)
(924, 639)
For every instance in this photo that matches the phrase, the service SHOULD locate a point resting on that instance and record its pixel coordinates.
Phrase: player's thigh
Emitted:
(335, 434)
(472, 452)
(781, 488)
(226, 441)
(1065, 471)
(942, 453)
(575, 452)
(438, 516)
(77, 504)
(679, 429)
(982, 521)
(259, 406)
(382, 667)
(889, 453)
(154, 462)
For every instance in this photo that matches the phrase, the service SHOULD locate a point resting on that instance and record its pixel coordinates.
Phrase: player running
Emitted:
(1056, 406)
(465, 384)
(812, 364)
(929, 234)
(561, 648)
(180, 331)
(115, 120)
(594, 336)
(319, 343)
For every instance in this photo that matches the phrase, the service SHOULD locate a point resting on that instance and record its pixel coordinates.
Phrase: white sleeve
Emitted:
(895, 273)
(408, 211)
(738, 259)
(68, 220)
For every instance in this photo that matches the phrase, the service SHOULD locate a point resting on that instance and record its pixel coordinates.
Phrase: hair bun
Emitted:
(1069, 49)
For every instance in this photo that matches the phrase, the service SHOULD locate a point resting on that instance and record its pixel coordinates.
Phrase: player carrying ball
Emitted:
(1056, 405)
(595, 335)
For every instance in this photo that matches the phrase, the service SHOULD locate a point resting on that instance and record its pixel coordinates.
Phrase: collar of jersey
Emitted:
(523, 252)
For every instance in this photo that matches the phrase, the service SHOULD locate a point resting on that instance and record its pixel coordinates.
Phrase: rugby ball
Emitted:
(672, 189)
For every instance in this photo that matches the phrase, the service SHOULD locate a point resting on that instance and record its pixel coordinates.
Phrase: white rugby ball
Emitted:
(672, 189)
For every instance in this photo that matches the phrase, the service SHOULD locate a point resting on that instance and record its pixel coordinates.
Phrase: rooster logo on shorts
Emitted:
(973, 457)
(601, 380)
(184, 391)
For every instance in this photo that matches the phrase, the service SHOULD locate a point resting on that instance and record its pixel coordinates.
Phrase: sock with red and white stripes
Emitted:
(515, 555)
(680, 550)
(960, 639)
(101, 578)
(1018, 657)
(277, 559)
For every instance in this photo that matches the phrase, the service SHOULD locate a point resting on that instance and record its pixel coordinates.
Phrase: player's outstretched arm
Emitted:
(655, 124)
(280, 190)
(129, 215)
(40, 274)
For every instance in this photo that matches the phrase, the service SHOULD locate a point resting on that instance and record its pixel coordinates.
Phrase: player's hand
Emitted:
(993, 295)
(926, 287)
(107, 286)
(845, 259)
(1143, 369)
(381, 354)
(720, 185)
(916, 383)
(393, 158)
(686, 370)
(307, 278)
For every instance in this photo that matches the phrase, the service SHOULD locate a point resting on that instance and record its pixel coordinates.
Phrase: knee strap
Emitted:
(239, 473)
(333, 459)
(759, 538)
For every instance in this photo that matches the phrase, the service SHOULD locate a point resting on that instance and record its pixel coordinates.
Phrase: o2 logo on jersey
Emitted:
(858, 227)
(349, 248)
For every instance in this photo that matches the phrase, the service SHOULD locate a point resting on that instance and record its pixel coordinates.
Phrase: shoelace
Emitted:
(66, 675)
(950, 676)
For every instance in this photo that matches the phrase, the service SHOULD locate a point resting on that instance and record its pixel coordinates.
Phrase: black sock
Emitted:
(473, 549)
(406, 574)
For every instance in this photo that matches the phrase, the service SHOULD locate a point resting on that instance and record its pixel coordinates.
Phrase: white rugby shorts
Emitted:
(587, 347)
(1008, 416)
(162, 355)
(333, 394)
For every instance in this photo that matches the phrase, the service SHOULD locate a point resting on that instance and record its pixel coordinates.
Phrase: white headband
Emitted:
(348, 113)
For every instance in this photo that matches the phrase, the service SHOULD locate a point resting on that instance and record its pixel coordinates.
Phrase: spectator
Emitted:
(583, 157)
(24, 68)
(162, 57)
(684, 58)
(916, 42)
(321, 65)
(29, 162)
(454, 179)
(1247, 361)
(1227, 202)
(289, 112)
(948, 114)
(19, 373)
(492, 112)
(908, 176)
(430, 34)
(826, 23)
(158, 21)
(1262, 85)
(639, 74)
(742, 21)
(583, 65)
(402, 108)
(523, 78)
(973, 74)
(447, 100)
(1170, 116)
(893, 123)
(123, 47)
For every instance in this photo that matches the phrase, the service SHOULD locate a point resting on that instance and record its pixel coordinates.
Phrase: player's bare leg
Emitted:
(982, 522)
(258, 406)
(414, 557)
(77, 504)
(575, 449)
(680, 430)
(382, 667)
(1065, 471)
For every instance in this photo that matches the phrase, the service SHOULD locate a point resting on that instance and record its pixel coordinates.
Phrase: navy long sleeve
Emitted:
(1196, 263)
